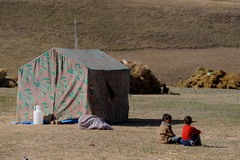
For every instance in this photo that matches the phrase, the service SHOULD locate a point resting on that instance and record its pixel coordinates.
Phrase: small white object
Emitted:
(37, 115)
(208, 73)
(125, 61)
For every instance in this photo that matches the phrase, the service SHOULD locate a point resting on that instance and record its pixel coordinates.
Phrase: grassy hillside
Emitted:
(31, 27)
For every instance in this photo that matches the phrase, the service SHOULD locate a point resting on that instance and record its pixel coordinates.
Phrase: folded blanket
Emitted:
(92, 122)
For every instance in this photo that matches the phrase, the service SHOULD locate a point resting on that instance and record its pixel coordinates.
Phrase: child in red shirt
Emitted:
(190, 135)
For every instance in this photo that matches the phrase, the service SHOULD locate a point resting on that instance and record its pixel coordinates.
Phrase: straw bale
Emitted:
(8, 83)
(222, 84)
(14, 78)
(3, 73)
(142, 80)
(208, 78)
(5, 81)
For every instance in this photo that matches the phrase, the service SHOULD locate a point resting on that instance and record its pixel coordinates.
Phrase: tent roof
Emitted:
(92, 59)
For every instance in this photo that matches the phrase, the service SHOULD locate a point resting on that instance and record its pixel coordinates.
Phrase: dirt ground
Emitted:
(171, 66)
(215, 112)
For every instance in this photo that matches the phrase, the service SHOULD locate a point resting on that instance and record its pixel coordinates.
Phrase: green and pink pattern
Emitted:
(70, 83)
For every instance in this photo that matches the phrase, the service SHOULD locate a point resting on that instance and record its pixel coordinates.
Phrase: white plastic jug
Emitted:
(37, 115)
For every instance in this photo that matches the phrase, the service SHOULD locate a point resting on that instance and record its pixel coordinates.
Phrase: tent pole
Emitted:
(75, 29)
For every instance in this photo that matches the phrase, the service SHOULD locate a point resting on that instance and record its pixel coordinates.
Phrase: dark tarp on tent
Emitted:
(70, 83)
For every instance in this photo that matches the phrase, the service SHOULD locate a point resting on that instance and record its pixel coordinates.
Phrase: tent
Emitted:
(69, 83)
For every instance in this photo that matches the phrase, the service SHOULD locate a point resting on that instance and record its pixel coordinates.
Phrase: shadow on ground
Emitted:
(146, 122)
(214, 146)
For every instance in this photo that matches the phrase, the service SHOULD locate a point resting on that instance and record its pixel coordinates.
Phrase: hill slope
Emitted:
(31, 27)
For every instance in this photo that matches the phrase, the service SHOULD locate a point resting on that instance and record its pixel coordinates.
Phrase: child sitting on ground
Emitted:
(190, 135)
(165, 133)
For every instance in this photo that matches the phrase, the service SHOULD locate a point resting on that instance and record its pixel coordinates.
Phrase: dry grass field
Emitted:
(172, 37)
(215, 112)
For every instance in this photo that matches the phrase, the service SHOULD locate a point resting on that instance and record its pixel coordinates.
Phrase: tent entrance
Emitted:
(111, 94)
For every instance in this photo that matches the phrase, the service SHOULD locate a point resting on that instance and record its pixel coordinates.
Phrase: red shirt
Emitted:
(188, 131)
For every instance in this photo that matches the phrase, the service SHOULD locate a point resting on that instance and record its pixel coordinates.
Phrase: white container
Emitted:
(37, 115)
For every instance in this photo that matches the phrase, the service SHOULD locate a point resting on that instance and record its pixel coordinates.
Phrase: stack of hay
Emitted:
(7, 82)
(142, 80)
(207, 78)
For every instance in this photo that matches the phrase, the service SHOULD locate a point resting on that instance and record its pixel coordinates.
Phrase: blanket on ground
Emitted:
(92, 122)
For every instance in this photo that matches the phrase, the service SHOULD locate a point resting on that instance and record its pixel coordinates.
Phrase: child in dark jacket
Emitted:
(165, 133)
(190, 135)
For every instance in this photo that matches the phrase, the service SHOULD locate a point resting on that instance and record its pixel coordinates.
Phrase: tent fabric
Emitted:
(93, 122)
(71, 83)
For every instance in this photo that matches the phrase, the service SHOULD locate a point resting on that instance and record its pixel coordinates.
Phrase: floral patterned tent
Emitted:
(70, 83)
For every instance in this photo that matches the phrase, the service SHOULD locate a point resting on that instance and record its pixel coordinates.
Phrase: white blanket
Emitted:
(92, 122)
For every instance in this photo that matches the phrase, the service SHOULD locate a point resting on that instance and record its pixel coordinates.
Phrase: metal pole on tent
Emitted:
(75, 31)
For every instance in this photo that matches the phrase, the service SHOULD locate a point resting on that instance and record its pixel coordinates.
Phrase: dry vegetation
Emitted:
(7, 81)
(215, 112)
(208, 78)
(142, 80)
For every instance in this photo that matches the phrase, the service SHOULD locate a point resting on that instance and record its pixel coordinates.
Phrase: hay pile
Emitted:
(208, 78)
(7, 82)
(142, 80)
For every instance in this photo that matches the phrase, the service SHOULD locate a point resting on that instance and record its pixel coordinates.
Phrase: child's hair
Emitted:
(166, 117)
(188, 120)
